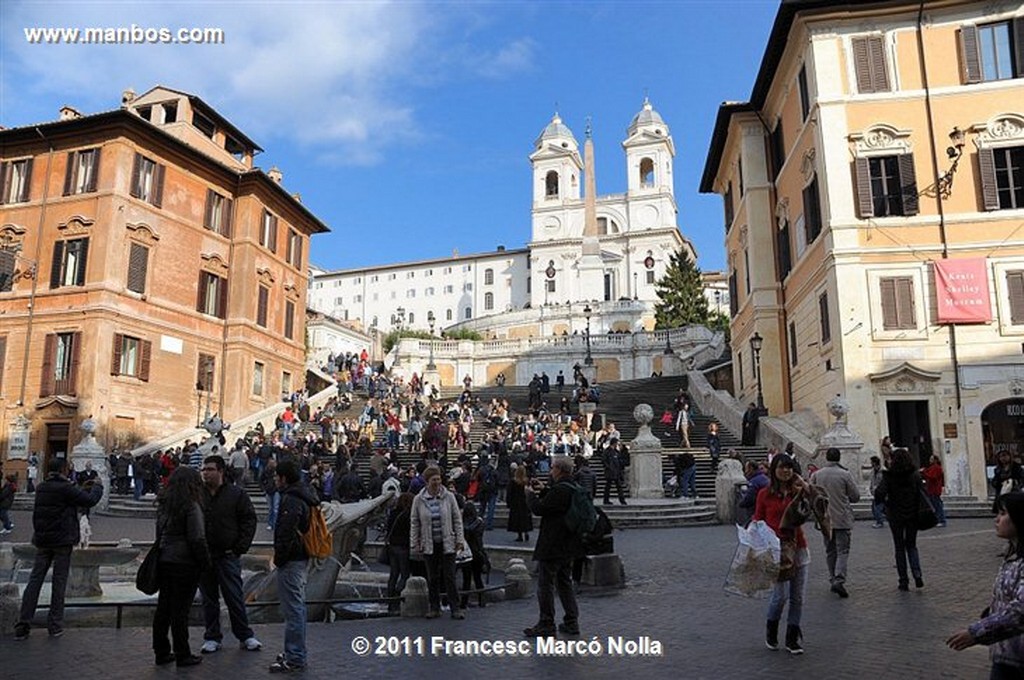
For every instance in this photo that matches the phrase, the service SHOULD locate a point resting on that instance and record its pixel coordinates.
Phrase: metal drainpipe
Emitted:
(35, 279)
(938, 195)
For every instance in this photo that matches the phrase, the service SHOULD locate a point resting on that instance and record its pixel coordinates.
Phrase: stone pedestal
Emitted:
(851, 447)
(518, 582)
(645, 458)
(89, 450)
(671, 365)
(415, 600)
(604, 570)
(589, 372)
(730, 473)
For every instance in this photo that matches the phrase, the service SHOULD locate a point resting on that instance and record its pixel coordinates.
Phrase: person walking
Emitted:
(230, 527)
(877, 509)
(934, 484)
(686, 474)
(772, 502)
(436, 533)
(900, 490)
(683, 423)
(291, 559)
(180, 530)
(1001, 626)
(7, 492)
(557, 547)
(841, 490)
(55, 532)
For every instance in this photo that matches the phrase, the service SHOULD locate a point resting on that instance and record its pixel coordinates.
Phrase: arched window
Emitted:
(469, 312)
(551, 185)
(488, 301)
(412, 318)
(646, 172)
(488, 277)
(606, 225)
(448, 315)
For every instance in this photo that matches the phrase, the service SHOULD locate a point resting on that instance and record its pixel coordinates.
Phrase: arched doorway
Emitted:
(1002, 428)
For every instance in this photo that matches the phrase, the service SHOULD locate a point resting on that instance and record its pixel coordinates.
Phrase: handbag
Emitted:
(464, 556)
(147, 578)
(926, 518)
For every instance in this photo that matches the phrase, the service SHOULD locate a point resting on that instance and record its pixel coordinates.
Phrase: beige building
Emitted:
(880, 159)
(146, 266)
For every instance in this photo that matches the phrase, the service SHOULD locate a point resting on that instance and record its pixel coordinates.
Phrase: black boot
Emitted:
(793, 636)
(771, 636)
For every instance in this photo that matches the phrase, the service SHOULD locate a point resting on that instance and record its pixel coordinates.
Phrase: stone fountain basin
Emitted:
(84, 575)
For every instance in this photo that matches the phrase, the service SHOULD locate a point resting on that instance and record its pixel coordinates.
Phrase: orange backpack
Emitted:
(317, 539)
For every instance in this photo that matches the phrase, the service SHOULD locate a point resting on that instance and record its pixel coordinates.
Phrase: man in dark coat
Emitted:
(750, 418)
(230, 527)
(613, 458)
(556, 549)
(55, 533)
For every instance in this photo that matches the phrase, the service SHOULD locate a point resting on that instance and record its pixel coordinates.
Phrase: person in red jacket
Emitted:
(934, 481)
(770, 507)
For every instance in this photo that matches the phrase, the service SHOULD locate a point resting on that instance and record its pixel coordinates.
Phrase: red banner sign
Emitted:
(961, 287)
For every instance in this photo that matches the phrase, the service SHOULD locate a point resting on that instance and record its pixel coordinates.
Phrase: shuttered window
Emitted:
(293, 254)
(213, 295)
(826, 324)
(218, 213)
(131, 357)
(805, 93)
(80, 174)
(778, 149)
(289, 319)
(886, 186)
(897, 303)
(3, 360)
(1002, 177)
(793, 355)
(729, 214)
(869, 64)
(262, 302)
(61, 354)
(257, 378)
(1015, 290)
(268, 231)
(734, 304)
(812, 210)
(7, 266)
(138, 266)
(15, 181)
(69, 261)
(147, 180)
(992, 51)
(785, 255)
(205, 372)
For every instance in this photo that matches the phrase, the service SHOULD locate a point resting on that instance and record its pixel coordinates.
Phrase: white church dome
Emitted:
(556, 130)
(647, 117)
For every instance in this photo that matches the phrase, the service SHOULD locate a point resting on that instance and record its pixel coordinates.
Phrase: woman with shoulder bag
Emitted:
(398, 548)
(900, 490)
(771, 505)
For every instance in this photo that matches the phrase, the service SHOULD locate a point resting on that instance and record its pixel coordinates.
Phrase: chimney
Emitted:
(275, 174)
(127, 97)
(69, 113)
(501, 249)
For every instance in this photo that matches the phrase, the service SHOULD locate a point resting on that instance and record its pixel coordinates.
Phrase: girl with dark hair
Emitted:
(520, 519)
(900, 490)
(180, 531)
(473, 528)
(1002, 624)
(772, 501)
(398, 547)
(1007, 476)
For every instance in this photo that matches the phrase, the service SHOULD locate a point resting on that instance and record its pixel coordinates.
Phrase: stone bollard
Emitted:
(604, 571)
(6, 560)
(10, 607)
(415, 599)
(730, 473)
(518, 582)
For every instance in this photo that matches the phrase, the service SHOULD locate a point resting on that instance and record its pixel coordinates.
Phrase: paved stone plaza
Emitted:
(674, 596)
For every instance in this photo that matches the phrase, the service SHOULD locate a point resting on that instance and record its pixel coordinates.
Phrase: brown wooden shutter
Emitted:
(225, 218)
(298, 251)
(261, 307)
(7, 266)
(94, 175)
(3, 357)
(289, 319)
(201, 293)
(1015, 290)
(135, 189)
(908, 184)
(49, 354)
(26, 188)
(862, 177)
(76, 354)
(222, 302)
(989, 186)
(862, 65)
(115, 356)
(887, 289)
(273, 233)
(5, 169)
(1018, 44)
(69, 173)
(83, 261)
(905, 303)
(970, 54)
(211, 196)
(138, 264)
(145, 353)
(57, 265)
(826, 323)
(876, 55)
(289, 242)
(158, 186)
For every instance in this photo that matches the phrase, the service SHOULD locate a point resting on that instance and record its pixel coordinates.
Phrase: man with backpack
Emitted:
(560, 542)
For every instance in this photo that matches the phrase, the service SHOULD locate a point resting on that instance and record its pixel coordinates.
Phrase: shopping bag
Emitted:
(755, 565)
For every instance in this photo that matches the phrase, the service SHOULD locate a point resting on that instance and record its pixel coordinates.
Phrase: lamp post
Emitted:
(944, 185)
(588, 360)
(756, 343)
(635, 289)
(431, 366)
(718, 303)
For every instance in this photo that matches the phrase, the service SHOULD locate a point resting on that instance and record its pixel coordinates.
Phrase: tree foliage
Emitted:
(681, 299)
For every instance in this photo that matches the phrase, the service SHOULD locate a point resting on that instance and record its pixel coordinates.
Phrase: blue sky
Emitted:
(406, 127)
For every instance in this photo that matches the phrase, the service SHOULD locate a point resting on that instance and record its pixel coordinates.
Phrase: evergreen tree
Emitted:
(681, 298)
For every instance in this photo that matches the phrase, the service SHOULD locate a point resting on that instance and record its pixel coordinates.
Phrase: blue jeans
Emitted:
(291, 591)
(60, 558)
(940, 509)
(878, 512)
(273, 502)
(138, 484)
(5, 518)
(224, 577)
(904, 540)
(791, 591)
(489, 506)
(688, 482)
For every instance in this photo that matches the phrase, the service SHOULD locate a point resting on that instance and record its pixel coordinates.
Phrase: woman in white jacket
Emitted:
(436, 533)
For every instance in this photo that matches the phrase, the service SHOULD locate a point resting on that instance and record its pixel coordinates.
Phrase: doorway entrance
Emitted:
(1002, 428)
(909, 427)
(57, 440)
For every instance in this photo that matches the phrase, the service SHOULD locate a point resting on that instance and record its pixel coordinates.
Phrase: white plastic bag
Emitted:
(755, 566)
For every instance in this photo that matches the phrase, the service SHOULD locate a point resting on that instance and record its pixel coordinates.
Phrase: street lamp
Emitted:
(431, 366)
(634, 286)
(718, 303)
(589, 360)
(756, 342)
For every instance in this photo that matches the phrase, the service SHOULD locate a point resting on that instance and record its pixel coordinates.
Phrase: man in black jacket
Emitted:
(290, 558)
(55, 533)
(230, 526)
(557, 547)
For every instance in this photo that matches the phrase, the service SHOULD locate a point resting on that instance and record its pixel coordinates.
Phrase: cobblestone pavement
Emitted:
(674, 596)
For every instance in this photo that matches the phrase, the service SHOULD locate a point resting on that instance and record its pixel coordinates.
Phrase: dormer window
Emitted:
(551, 185)
(234, 147)
(170, 112)
(647, 173)
(204, 124)
(145, 112)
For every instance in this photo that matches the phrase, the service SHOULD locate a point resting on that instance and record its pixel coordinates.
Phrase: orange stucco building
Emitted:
(145, 265)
